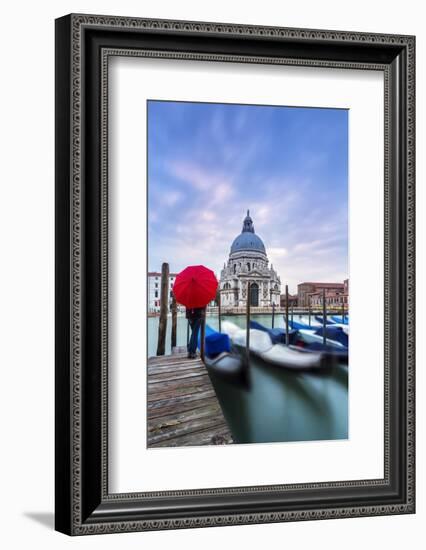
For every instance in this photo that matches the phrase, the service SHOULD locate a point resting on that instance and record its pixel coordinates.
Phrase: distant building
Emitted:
(292, 300)
(332, 300)
(336, 294)
(248, 263)
(346, 287)
(154, 290)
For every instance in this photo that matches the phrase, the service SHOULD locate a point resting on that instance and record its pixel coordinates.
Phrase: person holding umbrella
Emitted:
(194, 288)
(195, 316)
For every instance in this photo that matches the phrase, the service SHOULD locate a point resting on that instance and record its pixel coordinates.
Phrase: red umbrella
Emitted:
(195, 286)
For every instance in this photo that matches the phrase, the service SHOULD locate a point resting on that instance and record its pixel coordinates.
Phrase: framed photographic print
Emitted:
(234, 274)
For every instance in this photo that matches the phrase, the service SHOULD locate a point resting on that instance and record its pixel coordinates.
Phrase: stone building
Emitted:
(336, 294)
(154, 290)
(248, 263)
(292, 300)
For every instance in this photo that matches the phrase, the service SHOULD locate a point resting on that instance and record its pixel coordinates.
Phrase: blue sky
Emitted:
(209, 163)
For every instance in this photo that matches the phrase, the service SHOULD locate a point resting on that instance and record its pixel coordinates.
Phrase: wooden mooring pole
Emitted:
(203, 335)
(248, 322)
(343, 311)
(324, 319)
(219, 309)
(273, 314)
(309, 306)
(164, 299)
(174, 322)
(287, 336)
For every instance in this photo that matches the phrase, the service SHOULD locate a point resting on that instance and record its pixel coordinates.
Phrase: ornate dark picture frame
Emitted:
(84, 44)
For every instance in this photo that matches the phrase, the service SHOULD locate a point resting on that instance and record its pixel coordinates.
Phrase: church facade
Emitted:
(248, 263)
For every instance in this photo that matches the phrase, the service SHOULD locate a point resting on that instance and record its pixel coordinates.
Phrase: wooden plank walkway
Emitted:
(183, 409)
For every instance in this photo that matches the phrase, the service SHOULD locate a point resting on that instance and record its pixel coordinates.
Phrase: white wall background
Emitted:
(27, 267)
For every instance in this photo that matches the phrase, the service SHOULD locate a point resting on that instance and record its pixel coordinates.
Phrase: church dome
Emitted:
(248, 241)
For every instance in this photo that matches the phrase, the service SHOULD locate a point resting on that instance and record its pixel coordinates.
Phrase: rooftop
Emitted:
(324, 285)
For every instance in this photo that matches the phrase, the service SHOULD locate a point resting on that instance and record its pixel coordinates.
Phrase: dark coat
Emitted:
(195, 313)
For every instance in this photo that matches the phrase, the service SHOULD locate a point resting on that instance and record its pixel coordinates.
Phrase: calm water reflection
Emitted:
(280, 405)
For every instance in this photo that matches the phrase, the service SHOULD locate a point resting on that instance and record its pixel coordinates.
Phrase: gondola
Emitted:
(278, 355)
(311, 336)
(310, 339)
(336, 333)
(218, 356)
(334, 350)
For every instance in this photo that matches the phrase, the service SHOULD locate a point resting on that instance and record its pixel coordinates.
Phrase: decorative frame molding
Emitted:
(84, 43)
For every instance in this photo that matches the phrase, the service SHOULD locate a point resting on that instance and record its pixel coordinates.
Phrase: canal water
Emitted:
(279, 405)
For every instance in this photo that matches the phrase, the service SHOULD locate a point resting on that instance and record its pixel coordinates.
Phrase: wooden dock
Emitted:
(183, 408)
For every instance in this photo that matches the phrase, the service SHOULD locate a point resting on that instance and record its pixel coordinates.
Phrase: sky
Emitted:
(209, 163)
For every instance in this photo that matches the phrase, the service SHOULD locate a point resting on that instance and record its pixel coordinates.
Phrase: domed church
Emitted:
(248, 262)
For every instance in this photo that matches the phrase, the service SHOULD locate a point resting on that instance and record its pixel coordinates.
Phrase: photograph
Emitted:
(247, 273)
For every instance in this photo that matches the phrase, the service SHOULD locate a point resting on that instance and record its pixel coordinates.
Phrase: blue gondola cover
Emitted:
(320, 320)
(340, 320)
(217, 343)
(277, 335)
(296, 325)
